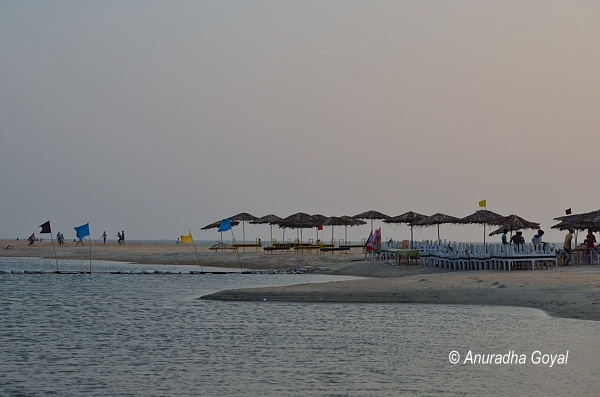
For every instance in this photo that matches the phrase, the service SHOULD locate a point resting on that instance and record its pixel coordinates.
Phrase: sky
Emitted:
(161, 117)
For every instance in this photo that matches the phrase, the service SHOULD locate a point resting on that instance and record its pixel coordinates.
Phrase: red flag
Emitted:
(320, 227)
(568, 211)
(45, 228)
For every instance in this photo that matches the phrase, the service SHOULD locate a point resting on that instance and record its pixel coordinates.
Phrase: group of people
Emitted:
(519, 241)
(589, 244)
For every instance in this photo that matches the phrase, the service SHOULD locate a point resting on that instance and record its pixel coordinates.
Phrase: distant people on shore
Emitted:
(104, 236)
(31, 240)
(590, 244)
(80, 241)
(60, 238)
(567, 247)
(121, 236)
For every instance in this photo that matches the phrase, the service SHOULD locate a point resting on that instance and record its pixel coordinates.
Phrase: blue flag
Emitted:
(225, 225)
(82, 231)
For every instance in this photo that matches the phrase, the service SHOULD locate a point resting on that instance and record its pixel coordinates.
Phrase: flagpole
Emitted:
(236, 251)
(90, 242)
(52, 239)
(197, 256)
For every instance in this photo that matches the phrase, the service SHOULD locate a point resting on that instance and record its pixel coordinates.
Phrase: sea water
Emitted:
(150, 335)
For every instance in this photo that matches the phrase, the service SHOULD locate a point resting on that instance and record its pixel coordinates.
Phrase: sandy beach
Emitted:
(571, 292)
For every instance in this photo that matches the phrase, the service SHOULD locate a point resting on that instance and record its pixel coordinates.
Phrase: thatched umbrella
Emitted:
(409, 218)
(513, 223)
(350, 221)
(319, 219)
(482, 217)
(336, 221)
(438, 219)
(299, 220)
(218, 224)
(587, 220)
(270, 219)
(244, 217)
(371, 215)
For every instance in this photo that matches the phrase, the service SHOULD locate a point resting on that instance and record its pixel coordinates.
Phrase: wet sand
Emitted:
(572, 292)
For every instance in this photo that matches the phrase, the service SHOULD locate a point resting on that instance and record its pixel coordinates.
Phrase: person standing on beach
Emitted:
(567, 247)
(123, 236)
(120, 238)
(504, 237)
(104, 236)
(590, 245)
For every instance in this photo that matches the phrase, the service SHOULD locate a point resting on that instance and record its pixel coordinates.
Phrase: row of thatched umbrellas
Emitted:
(303, 220)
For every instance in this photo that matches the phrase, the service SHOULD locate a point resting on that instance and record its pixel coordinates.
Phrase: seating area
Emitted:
(465, 256)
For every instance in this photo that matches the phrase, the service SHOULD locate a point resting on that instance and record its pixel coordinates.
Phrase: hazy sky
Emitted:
(159, 117)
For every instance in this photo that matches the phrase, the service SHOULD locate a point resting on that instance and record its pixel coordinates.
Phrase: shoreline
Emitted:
(569, 292)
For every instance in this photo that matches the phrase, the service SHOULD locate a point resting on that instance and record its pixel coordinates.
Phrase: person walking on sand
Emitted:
(567, 247)
(80, 241)
(120, 238)
(31, 240)
(104, 236)
(590, 245)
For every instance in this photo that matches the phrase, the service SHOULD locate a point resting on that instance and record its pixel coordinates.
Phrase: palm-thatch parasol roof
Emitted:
(482, 217)
(409, 218)
(244, 217)
(270, 219)
(299, 220)
(218, 224)
(438, 219)
(352, 221)
(372, 214)
(587, 220)
(513, 223)
(319, 219)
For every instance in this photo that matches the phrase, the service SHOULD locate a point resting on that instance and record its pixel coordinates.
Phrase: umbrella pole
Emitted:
(411, 237)
(439, 241)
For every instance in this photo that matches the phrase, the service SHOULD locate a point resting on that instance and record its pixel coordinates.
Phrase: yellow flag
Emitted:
(187, 239)
(482, 203)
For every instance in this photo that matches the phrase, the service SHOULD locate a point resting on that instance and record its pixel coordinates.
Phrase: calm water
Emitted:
(150, 335)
